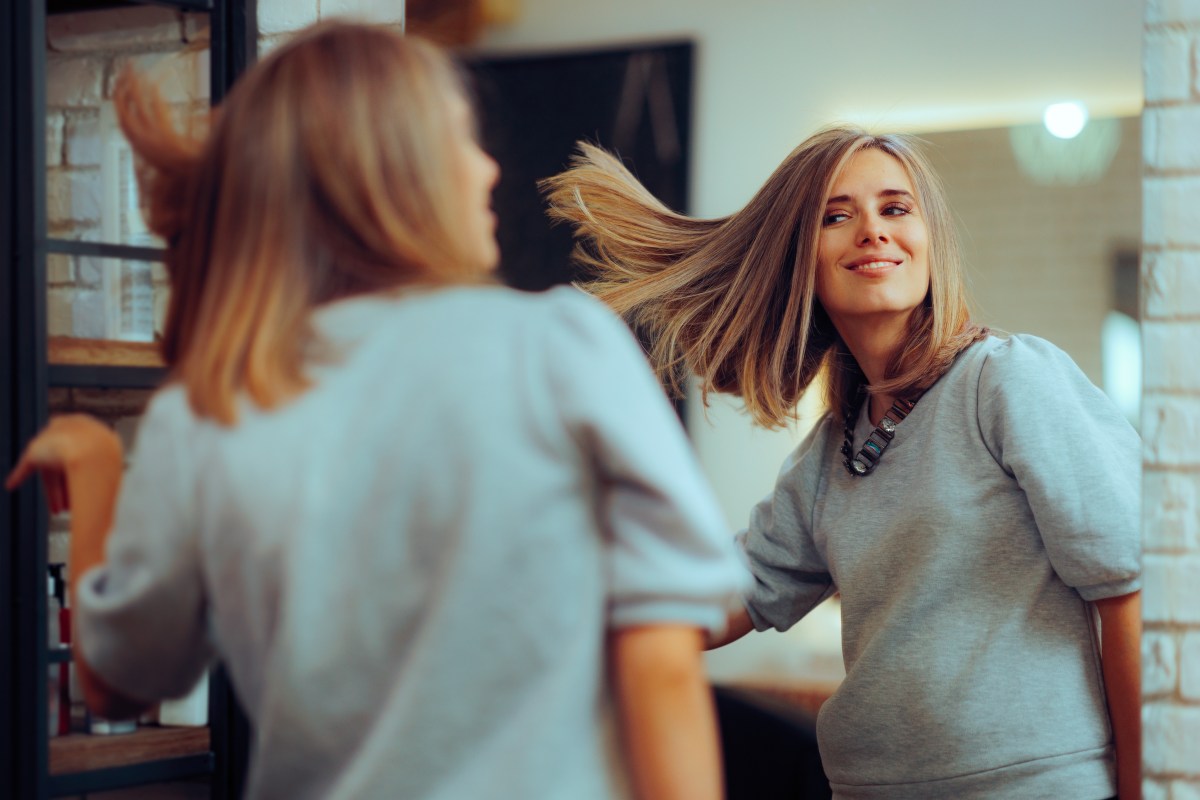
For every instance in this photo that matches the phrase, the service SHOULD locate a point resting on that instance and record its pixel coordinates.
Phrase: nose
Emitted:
(871, 230)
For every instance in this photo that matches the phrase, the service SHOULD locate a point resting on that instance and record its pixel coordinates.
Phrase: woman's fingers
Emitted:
(63, 439)
(40, 457)
(25, 467)
(16, 477)
(44, 452)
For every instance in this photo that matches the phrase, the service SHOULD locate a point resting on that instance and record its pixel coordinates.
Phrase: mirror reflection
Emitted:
(91, 187)
(1034, 129)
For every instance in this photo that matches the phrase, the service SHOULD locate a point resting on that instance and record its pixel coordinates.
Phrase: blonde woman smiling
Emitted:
(973, 498)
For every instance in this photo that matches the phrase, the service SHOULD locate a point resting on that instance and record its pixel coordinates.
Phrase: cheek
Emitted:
(826, 247)
(821, 285)
(820, 269)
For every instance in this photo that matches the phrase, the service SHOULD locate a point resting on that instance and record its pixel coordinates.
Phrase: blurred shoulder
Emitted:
(564, 312)
(168, 407)
(566, 304)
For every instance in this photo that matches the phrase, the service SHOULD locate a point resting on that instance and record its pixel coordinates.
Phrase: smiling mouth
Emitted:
(872, 266)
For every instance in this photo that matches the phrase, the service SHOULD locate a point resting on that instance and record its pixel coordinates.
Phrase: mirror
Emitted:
(108, 310)
(1050, 226)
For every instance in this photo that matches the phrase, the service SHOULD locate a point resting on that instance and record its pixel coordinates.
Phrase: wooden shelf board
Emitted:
(81, 752)
(806, 696)
(68, 350)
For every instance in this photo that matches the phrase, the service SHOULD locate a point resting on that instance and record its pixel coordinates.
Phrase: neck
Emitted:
(873, 341)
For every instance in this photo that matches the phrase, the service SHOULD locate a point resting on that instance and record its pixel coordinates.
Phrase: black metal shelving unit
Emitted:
(25, 380)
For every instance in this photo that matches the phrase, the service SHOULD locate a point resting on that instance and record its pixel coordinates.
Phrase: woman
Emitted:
(972, 498)
(413, 511)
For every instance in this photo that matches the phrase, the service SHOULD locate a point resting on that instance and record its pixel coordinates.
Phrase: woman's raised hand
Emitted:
(67, 440)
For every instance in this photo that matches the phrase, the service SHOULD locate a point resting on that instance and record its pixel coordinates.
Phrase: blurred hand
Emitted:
(65, 441)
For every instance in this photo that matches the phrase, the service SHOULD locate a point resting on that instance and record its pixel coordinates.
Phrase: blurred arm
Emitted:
(1121, 658)
(737, 625)
(667, 718)
(80, 462)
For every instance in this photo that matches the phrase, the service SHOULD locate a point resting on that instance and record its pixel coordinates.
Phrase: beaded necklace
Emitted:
(877, 441)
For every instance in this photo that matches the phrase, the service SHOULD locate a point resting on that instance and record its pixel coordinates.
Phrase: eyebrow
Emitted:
(845, 198)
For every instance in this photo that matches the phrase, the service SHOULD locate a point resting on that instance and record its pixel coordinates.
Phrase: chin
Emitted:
(490, 265)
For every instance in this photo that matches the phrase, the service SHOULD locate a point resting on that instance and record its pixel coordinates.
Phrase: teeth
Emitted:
(876, 265)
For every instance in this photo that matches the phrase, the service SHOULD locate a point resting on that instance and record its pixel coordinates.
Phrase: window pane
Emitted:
(90, 297)
(91, 192)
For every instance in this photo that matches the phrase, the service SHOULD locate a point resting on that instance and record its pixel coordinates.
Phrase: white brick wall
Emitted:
(1170, 427)
(85, 51)
(1189, 653)
(385, 12)
(129, 29)
(278, 18)
(1169, 213)
(1171, 284)
(1166, 12)
(73, 82)
(183, 78)
(73, 198)
(285, 16)
(1172, 731)
(1172, 510)
(59, 269)
(1160, 664)
(54, 139)
(1170, 76)
(1171, 143)
(1170, 580)
(1171, 355)
(1171, 410)
(83, 138)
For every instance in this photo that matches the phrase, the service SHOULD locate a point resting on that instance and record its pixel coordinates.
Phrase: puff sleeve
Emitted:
(1076, 458)
(790, 574)
(141, 616)
(670, 556)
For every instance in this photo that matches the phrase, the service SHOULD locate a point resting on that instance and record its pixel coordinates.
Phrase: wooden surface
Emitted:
(103, 352)
(81, 752)
(108, 404)
(808, 697)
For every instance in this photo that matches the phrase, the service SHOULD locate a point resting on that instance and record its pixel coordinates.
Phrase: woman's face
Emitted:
(872, 261)
(477, 176)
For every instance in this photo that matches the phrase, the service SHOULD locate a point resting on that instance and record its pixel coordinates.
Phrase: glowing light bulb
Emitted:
(1065, 120)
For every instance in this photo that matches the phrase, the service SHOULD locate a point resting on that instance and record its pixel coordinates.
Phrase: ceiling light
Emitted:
(1051, 161)
(1065, 120)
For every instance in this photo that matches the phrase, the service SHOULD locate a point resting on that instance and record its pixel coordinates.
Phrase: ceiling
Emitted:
(918, 65)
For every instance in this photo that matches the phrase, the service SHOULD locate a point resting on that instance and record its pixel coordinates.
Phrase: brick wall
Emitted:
(85, 51)
(278, 18)
(1171, 406)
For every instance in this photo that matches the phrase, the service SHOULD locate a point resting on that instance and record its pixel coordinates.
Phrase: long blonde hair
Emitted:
(327, 172)
(733, 299)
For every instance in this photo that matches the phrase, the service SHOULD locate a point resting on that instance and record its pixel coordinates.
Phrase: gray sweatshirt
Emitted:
(411, 569)
(1009, 498)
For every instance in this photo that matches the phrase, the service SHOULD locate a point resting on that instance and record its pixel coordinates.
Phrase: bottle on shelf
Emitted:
(52, 639)
(191, 710)
(66, 671)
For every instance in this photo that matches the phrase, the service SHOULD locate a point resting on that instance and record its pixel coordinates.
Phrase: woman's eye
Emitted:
(834, 218)
(895, 211)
